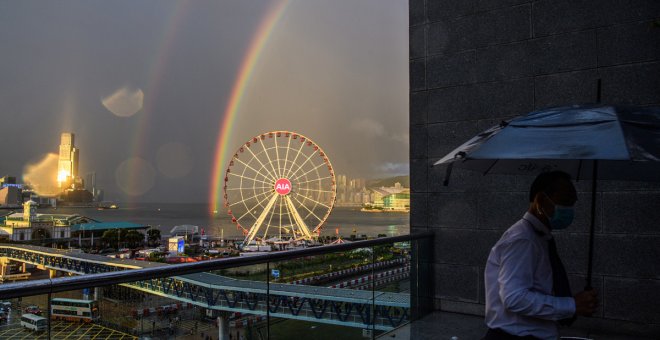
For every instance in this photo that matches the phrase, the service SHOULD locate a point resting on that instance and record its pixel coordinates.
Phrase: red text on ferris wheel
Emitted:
(283, 186)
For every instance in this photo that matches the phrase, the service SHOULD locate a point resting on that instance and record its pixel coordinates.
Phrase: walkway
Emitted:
(346, 307)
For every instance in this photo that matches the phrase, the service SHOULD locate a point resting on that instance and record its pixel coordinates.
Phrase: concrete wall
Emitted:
(476, 62)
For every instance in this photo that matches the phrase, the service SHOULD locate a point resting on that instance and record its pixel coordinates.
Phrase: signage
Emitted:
(283, 186)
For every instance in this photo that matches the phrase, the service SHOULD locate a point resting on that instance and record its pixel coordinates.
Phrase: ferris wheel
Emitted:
(279, 184)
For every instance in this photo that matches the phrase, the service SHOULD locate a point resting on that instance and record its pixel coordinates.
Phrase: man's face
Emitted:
(563, 193)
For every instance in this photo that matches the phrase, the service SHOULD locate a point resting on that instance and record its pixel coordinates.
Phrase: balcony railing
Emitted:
(352, 290)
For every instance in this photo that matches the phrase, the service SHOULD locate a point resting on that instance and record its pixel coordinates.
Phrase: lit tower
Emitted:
(67, 166)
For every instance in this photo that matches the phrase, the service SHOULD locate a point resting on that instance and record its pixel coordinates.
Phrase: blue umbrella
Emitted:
(587, 141)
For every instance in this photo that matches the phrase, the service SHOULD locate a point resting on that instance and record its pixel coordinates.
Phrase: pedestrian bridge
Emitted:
(346, 307)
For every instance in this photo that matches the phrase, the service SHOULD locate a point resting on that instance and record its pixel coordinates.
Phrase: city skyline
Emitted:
(147, 88)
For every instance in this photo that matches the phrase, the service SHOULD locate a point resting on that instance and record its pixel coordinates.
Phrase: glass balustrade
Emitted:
(352, 291)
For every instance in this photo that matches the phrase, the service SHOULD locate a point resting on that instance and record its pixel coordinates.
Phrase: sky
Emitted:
(145, 87)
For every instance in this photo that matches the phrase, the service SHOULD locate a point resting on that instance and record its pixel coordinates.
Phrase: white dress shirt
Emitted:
(518, 280)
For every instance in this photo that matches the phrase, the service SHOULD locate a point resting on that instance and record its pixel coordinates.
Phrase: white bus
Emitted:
(34, 322)
(74, 310)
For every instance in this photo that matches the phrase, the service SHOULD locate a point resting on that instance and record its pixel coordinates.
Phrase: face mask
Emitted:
(562, 217)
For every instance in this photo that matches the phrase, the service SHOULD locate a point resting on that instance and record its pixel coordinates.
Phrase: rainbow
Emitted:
(155, 76)
(244, 75)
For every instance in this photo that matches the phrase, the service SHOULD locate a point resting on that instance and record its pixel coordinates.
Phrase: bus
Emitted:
(74, 310)
(34, 322)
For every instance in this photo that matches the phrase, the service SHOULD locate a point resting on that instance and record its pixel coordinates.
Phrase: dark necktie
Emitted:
(560, 285)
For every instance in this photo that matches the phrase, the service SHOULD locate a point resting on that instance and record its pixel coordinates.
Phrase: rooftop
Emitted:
(107, 225)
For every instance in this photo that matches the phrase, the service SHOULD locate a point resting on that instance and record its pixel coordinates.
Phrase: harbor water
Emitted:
(348, 221)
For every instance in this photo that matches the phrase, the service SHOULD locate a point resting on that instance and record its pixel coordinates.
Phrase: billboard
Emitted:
(176, 244)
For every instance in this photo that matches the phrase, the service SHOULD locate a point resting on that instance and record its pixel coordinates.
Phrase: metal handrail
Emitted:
(46, 286)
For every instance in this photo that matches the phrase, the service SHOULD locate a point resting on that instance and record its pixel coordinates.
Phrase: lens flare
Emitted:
(124, 102)
(135, 176)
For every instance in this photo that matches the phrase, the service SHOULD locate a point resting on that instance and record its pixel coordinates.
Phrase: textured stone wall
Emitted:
(476, 62)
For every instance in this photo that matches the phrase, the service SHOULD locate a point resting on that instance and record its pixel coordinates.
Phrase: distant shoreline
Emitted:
(385, 211)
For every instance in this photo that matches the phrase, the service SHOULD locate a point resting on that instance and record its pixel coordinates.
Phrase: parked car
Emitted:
(33, 309)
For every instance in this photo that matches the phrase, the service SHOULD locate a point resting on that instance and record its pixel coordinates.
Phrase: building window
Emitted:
(61, 233)
(21, 236)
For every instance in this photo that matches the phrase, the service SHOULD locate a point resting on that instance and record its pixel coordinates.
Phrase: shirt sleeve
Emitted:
(516, 281)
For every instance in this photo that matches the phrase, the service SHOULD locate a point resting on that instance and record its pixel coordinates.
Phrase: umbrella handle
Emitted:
(592, 226)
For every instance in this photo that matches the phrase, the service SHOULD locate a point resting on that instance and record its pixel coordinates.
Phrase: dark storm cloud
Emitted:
(333, 70)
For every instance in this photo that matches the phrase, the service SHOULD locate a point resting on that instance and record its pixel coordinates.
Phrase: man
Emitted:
(527, 289)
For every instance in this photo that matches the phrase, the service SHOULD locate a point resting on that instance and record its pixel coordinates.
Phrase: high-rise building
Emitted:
(67, 166)
(68, 176)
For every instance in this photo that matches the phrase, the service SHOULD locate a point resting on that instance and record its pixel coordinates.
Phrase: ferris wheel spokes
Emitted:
(309, 210)
(299, 220)
(270, 219)
(298, 152)
(277, 156)
(315, 180)
(249, 211)
(293, 175)
(309, 199)
(307, 172)
(257, 224)
(315, 190)
(235, 189)
(265, 193)
(263, 166)
(286, 156)
(272, 166)
(249, 178)
(253, 169)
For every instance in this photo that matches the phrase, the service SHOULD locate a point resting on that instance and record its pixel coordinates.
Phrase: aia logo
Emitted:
(283, 186)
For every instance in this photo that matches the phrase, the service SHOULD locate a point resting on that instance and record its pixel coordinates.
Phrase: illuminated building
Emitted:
(398, 202)
(67, 166)
(30, 226)
(68, 178)
(396, 198)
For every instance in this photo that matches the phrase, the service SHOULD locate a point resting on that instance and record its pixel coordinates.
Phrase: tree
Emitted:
(153, 237)
(133, 238)
(111, 238)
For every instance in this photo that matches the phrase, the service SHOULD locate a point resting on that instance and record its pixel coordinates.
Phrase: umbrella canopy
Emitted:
(586, 141)
(623, 140)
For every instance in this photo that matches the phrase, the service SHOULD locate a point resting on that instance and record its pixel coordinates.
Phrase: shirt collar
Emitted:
(538, 226)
